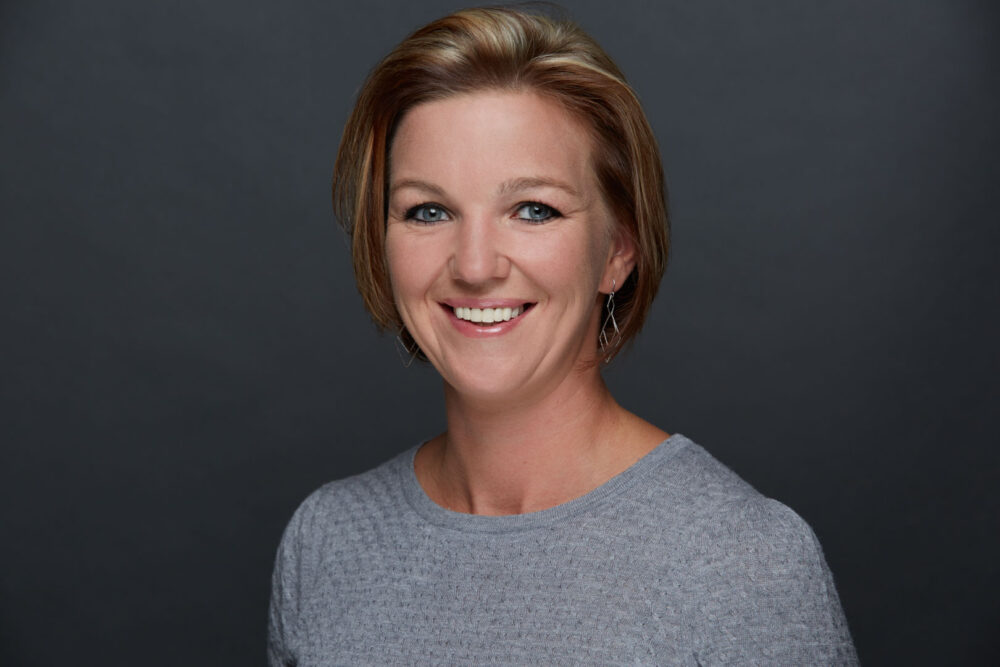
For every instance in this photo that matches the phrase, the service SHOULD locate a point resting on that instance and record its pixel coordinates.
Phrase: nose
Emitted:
(477, 256)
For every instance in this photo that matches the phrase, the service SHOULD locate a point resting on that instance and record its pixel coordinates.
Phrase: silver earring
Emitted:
(406, 355)
(608, 344)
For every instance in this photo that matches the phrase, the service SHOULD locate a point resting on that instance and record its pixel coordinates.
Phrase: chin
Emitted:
(488, 386)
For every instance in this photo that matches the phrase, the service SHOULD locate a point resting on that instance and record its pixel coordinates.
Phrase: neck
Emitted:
(527, 455)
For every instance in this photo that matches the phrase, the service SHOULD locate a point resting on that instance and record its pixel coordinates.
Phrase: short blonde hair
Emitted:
(507, 49)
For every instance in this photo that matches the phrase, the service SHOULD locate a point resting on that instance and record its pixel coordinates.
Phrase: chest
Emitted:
(515, 603)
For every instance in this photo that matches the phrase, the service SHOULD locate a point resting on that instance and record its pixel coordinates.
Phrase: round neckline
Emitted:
(433, 513)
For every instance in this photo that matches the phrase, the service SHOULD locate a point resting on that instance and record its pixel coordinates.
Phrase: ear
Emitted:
(622, 256)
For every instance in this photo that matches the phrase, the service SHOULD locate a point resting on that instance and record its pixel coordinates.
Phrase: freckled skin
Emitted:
(493, 197)
(466, 147)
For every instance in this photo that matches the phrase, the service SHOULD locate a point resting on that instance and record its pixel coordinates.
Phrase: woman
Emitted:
(505, 200)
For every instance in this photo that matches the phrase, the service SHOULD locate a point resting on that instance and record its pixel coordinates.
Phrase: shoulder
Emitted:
(342, 521)
(706, 496)
(754, 574)
(338, 518)
(729, 509)
(726, 523)
(329, 521)
(338, 507)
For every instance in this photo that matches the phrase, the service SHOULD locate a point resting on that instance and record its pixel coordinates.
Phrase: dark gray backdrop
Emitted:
(185, 356)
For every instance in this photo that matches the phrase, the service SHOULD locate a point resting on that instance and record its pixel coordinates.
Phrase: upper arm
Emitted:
(767, 596)
(286, 589)
(281, 611)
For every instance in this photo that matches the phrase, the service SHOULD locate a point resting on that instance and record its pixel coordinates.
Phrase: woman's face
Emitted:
(499, 241)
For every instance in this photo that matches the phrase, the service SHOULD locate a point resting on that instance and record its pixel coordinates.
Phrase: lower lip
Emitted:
(479, 330)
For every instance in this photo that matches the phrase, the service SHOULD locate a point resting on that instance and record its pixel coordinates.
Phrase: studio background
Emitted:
(185, 356)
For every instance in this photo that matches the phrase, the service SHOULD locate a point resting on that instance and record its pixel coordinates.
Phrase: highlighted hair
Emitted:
(504, 49)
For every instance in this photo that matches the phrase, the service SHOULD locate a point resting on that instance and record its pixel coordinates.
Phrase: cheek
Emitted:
(571, 266)
(399, 269)
(579, 257)
(410, 267)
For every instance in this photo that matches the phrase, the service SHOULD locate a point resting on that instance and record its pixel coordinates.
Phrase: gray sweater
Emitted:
(676, 561)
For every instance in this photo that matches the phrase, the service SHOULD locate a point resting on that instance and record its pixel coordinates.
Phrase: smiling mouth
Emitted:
(490, 315)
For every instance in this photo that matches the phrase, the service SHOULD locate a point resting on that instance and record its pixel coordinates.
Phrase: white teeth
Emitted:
(487, 315)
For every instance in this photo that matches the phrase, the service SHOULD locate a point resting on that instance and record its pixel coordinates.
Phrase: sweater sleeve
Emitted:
(286, 587)
(768, 596)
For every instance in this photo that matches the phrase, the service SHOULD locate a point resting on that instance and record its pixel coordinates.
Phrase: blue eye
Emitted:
(427, 213)
(536, 212)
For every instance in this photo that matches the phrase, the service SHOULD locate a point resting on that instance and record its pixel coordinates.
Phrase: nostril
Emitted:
(477, 257)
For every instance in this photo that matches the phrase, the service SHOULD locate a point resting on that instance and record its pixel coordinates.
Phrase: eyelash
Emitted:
(553, 213)
(411, 214)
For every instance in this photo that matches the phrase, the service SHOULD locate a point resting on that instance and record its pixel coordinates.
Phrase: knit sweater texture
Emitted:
(675, 561)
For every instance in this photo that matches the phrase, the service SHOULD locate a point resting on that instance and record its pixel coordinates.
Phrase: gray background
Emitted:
(184, 355)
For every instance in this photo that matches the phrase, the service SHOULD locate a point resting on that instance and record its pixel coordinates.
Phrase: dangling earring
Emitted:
(608, 345)
(402, 350)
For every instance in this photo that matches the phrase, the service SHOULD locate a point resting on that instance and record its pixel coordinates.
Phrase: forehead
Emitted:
(478, 139)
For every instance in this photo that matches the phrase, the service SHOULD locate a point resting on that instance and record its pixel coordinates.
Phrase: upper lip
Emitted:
(460, 302)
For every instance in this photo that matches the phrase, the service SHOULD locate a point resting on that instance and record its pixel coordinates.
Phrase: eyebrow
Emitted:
(416, 184)
(529, 182)
(507, 187)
